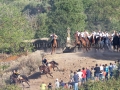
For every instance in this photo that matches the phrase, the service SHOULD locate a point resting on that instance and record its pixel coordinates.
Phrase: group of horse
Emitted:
(43, 70)
(97, 42)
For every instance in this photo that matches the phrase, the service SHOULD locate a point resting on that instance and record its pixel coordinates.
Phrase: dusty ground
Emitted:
(72, 61)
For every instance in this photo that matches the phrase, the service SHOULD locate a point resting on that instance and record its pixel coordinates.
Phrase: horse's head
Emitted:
(54, 63)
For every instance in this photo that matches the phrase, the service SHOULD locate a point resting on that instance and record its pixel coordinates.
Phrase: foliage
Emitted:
(64, 14)
(13, 28)
(29, 19)
(10, 87)
(111, 84)
(102, 14)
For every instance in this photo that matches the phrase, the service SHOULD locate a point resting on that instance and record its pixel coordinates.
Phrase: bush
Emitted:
(111, 84)
(10, 87)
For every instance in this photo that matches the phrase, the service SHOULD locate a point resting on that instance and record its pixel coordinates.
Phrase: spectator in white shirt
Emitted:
(80, 76)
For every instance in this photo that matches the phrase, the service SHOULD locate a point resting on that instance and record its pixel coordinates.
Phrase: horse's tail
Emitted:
(25, 77)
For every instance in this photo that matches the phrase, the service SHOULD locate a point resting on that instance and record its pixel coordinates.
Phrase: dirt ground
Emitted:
(71, 61)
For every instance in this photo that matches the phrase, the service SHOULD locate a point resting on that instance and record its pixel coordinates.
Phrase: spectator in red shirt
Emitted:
(84, 75)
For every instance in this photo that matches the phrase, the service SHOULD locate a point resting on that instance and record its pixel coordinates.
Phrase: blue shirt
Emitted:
(107, 69)
(111, 68)
(75, 77)
(88, 73)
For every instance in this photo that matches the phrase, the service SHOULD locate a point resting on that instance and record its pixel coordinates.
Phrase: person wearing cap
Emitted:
(57, 84)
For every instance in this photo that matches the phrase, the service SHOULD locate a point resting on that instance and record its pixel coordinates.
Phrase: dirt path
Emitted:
(72, 61)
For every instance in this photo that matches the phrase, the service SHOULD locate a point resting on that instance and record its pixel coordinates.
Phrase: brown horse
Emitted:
(85, 42)
(53, 65)
(77, 41)
(54, 44)
(45, 70)
(19, 79)
(92, 40)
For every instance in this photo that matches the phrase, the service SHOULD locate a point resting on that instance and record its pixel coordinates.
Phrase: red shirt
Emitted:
(84, 74)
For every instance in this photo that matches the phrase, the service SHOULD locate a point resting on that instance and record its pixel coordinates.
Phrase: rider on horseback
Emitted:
(17, 75)
(44, 62)
(53, 36)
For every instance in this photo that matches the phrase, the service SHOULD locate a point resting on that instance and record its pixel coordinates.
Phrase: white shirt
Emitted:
(94, 33)
(82, 34)
(101, 68)
(57, 84)
(101, 34)
(80, 74)
(78, 33)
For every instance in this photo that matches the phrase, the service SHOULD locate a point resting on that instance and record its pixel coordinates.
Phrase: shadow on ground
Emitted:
(35, 75)
(101, 55)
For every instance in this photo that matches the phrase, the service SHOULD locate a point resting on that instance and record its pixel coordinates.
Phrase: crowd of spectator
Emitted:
(79, 77)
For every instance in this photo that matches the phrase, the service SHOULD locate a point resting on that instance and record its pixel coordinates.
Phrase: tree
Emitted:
(102, 14)
(64, 14)
(14, 28)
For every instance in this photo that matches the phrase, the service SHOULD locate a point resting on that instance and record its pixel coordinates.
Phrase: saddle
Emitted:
(20, 77)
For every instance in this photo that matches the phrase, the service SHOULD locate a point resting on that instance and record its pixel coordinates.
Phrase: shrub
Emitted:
(10, 87)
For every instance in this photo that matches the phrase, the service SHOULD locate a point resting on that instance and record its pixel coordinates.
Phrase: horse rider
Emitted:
(78, 33)
(53, 36)
(44, 62)
(17, 75)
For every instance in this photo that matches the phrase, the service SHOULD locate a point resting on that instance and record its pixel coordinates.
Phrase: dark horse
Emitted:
(116, 42)
(54, 44)
(45, 70)
(53, 65)
(18, 80)
(98, 40)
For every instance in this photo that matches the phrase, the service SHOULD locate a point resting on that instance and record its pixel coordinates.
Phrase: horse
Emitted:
(98, 42)
(85, 42)
(92, 40)
(107, 43)
(77, 41)
(53, 65)
(116, 42)
(54, 45)
(45, 69)
(19, 79)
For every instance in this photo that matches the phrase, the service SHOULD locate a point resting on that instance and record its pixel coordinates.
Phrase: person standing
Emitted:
(43, 86)
(92, 73)
(71, 75)
(84, 75)
(80, 76)
(57, 84)
(111, 70)
(88, 73)
(50, 86)
(97, 72)
(75, 78)
(106, 70)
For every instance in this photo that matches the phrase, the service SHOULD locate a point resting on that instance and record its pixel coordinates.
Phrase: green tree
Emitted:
(64, 14)
(14, 28)
(102, 14)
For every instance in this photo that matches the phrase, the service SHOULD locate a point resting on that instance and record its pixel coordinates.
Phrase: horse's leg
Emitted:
(57, 68)
(27, 83)
(53, 69)
(52, 50)
(46, 75)
(50, 74)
